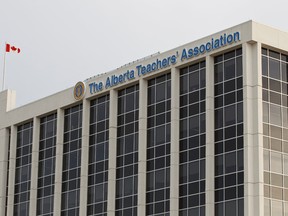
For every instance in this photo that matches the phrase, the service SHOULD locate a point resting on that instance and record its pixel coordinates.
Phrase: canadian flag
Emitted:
(10, 48)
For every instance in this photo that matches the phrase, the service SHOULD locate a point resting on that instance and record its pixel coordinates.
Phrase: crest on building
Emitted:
(79, 90)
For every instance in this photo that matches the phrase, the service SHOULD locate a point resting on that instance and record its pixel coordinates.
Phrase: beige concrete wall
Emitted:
(84, 157)
(174, 165)
(210, 156)
(58, 162)
(4, 144)
(142, 148)
(7, 101)
(112, 153)
(12, 168)
(253, 139)
(269, 36)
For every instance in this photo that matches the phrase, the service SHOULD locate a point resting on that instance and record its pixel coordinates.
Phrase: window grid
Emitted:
(229, 168)
(98, 156)
(127, 152)
(23, 169)
(275, 130)
(71, 161)
(158, 146)
(46, 166)
(192, 140)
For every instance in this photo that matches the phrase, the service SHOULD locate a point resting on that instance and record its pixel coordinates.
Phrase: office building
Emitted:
(201, 129)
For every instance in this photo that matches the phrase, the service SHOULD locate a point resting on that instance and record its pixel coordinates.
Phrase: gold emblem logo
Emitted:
(79, 90)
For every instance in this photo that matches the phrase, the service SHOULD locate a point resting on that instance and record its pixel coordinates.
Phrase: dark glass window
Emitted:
(229, 132)
(265, 65)
(72, 161)
(192, 128)
(98, 156)
(274, 68)
(23, 169)
(127, 151)
(158, 145)
(46, 167)
(274, 94)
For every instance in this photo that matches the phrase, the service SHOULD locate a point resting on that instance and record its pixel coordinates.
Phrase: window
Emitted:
(72, 160)
(23, 169)
(127, 151)
(46, 169)
(274, 82)
(192, 131)
(98, 156)
(229, 134)
(158, 146)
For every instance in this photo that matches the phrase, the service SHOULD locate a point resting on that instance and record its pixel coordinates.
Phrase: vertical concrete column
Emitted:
(12, 169)
(59, 162)
(142, 148)
(84, 157)
(4, 148)
(11, 100)
(112, 152)
(209, 183)
(174, 167)
(7, 101)
(253, 130)
(34, 167)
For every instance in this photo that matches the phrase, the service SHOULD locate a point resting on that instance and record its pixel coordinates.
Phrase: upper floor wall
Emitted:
(248, 32)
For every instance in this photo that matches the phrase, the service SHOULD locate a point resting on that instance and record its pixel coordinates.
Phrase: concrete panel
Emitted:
(59, 162)
(142, 148)
(210, 202)
(84, 157)
(34, 167)
(112, 152)
(174, 167)
(4, 145)
(253, 149)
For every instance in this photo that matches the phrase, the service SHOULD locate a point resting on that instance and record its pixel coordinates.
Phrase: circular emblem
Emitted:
(79, 90)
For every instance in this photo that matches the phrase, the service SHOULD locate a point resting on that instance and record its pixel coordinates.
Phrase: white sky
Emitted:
(66, 41)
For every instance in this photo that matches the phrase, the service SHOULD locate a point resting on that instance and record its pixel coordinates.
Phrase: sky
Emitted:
(66, 41)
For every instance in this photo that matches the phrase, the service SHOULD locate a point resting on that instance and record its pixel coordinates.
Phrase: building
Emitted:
(199, 130)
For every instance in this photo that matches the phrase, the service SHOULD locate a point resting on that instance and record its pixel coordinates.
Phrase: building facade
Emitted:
(199, 130)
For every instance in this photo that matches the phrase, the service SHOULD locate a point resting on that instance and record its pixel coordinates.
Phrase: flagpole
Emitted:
(4, 68)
